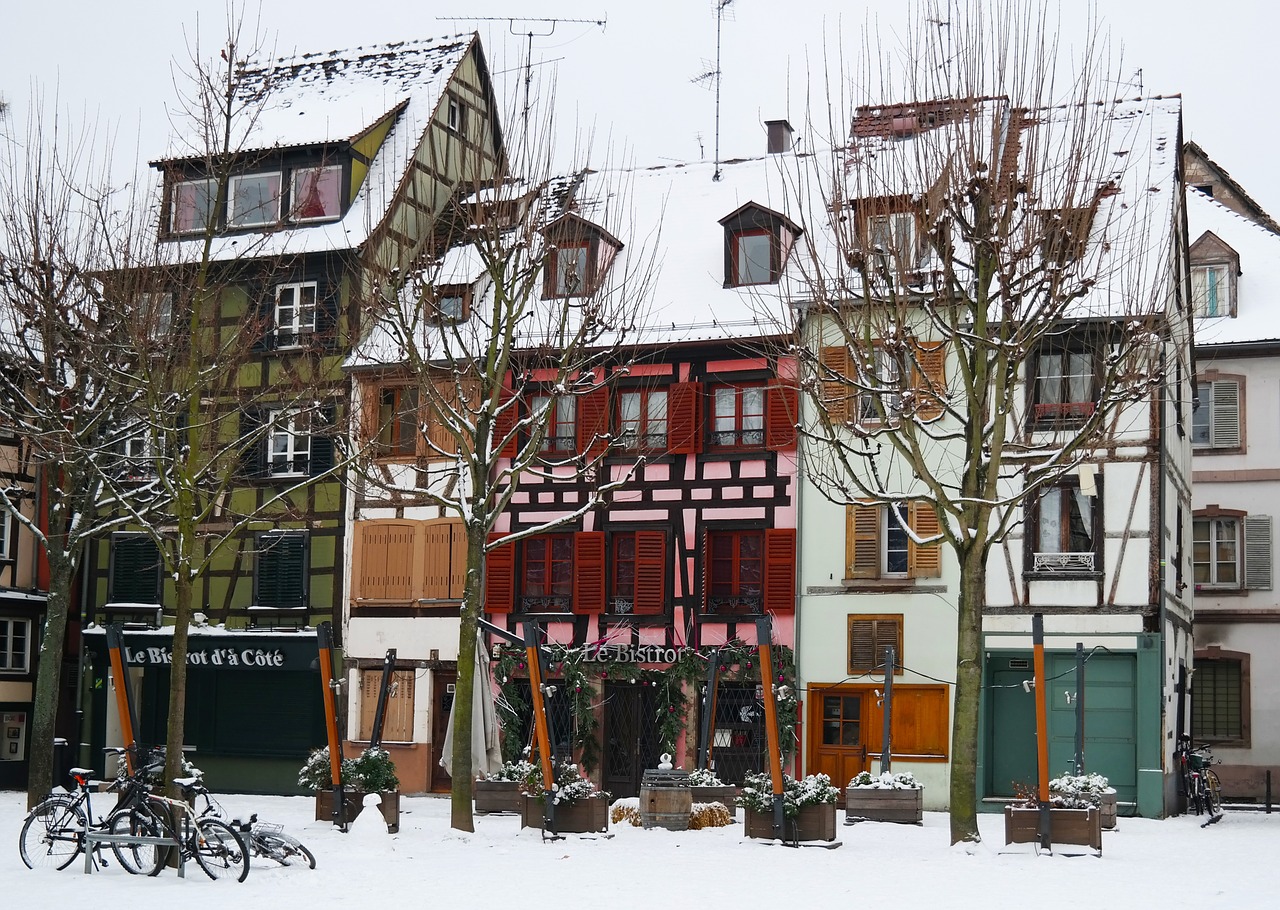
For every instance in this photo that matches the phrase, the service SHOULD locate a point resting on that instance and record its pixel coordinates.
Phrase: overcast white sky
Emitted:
(111, 62)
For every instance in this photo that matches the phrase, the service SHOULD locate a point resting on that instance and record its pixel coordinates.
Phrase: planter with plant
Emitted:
(579, 806)
(372, 771)
(808, 807)
(1073, 817)
(1080, 791)
(500, 790)
(888, 797)
(708, 788)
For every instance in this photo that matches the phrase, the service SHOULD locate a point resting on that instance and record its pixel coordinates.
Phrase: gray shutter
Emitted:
(1226, 414)
(1257, 552)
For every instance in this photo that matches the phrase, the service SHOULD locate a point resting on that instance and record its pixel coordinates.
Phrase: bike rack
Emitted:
(94, 837)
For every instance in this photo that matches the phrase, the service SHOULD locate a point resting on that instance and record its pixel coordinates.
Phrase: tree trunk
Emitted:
(175, 732)
(460, 815)
(964, 734)
(48, 680)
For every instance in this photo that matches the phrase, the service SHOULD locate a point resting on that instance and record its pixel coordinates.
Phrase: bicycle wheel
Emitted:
(1213, 792)
(139, 859)
(284, 849)
(1197, 793)
(219, 850)
(53, 834)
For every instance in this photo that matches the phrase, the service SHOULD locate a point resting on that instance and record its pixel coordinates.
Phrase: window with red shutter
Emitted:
(782, 413)
(588, 572)
(499, 577)
(734, 571)
(780, 570)
(593, 422)
(638, 580)
(684, 409)
(547, 580)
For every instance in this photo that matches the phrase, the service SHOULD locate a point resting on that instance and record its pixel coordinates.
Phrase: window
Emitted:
(842, 720)
(136, 461)
(879, 398)
(316, 193)
(752, 252)
(457, 115)
(452, 304)
(6, 535)
(638, 563)
(397, 718)
(15, 645)
(255, 200)
(737, 416)
(135, 570)
(193, 206)
(891, 241)
(857, 390)
(1065, 528)
(578, 256)
(399, 561)
(1215, 419)
(1064, 386)
(879, 546)
(870, 635)
(280, 570)
(1212, 291)
(1220, 698)
(735, 572)
(568, 275)
(295, 314)
(288, 443)
(558, 411)
(642, 419)
(1215, 554)
(548, 573)
(398, 421)
(156, 311)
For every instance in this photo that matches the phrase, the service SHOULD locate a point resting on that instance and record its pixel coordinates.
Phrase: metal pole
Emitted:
(384, 691)
(124, 696)
(1079, 707)
(886, 746)
(533, 655)
(324, 645)
(764, 638)
(1042, 730)
(709, 711)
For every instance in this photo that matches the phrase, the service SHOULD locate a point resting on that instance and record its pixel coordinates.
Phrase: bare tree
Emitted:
(989, 210)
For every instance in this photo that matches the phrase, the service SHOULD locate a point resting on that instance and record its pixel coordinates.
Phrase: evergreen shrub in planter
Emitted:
(808, 807)
(708, 788)
(372, 771)
(885, 797)
(579, 806)
(500, 791)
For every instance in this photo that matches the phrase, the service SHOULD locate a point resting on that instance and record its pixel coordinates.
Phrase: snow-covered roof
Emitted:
(1258, 283)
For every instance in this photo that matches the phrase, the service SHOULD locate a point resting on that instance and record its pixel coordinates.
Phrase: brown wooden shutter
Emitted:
(684, 417)
(397, 722)
(836, 384)
(499, 577)
(782, 413)
(651, 573)
(929, 379)
(438, 566)
(780, 570)
(923, 561)
(588, 572)
(440, 432)
(457, 559)
(862, 540)
(505, 424)
(386, 562)
(869, 636)
(593, 422)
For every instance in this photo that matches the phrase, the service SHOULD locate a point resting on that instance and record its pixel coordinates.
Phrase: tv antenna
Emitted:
(713, 76)
(535, 30)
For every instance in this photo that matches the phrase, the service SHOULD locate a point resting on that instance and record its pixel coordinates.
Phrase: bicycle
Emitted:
(263, 838)
(1200, 784)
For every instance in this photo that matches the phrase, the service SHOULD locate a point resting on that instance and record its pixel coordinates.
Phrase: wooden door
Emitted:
(442, 683)
(837, 733)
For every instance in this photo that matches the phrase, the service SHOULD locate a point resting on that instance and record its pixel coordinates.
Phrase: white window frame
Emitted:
(11, 660)
(880, 382)
(199, 227)
(6, 528)
(263, 214)
(1056, 556)
(296, 176)
(1221, 527)
(457, 116)
(288, 439)
(894, 538)
(296, 319)
(1213, 279)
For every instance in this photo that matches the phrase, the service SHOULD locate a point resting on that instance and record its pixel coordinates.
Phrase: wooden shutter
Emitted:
(835, 381)
(706, 569)
(869, 636)
(437, 573)
(253, 454)
(588, 572)
(385, 569)
(862, 541)
(1257, 552)
(684, 418)
(929, 379)
(1226, 414)
(780, 570)
(651, 573)
(281, 576)
(593, 422)
(923, 560)
(505, 424)
(322, 422)
(135, 570)
(781, 414)
(499, 577)
(457, 559)
(397, 722)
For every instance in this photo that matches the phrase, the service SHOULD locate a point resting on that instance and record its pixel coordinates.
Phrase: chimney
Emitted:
(779, 136)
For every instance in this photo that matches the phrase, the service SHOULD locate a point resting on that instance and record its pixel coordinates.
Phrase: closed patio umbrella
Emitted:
(486, 754)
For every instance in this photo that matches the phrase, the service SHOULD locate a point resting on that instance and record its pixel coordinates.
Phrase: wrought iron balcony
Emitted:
(1062, 562)
(735, 604)
(553, 603)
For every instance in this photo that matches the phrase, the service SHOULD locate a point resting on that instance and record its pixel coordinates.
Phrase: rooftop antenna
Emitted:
(713, 76)
(550, 25)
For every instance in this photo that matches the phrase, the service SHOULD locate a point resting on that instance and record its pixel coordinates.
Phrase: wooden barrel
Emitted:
(665, 807)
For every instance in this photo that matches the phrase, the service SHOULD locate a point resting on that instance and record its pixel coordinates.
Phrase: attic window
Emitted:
(578, 257)
(757, 244)
(452, 304)
(457, 116)
(315, 193)
(1212, 290)
(192, 206)
(752, 252)
(254, 199)
(568, 269)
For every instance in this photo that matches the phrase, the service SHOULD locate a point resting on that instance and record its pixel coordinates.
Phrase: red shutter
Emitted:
(706, 568)
(684, 416)
(780, 570)
(506, 423)
(651, 572)
(593, 422)
(588, 572)
(781, 414)
(499, 577)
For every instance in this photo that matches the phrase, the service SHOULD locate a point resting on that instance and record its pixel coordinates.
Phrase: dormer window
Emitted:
(889, 236)
(757, 244)
(451, 304)
(193, 206)
(578, 257)
(316, 193)
(1214, 267)
(254, 199)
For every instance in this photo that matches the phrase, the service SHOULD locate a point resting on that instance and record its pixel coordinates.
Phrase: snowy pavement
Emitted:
(1146, 863)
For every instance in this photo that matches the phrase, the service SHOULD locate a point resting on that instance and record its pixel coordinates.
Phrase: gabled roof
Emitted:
(1252, 209)
(1257, 285)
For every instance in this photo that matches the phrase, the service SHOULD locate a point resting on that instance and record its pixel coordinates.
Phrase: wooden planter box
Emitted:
(580, 817)
(884, 805)
(496, 796)
(353, 804)
(1066, 826)
(1107, 808)
(725, 795)
(813, 823)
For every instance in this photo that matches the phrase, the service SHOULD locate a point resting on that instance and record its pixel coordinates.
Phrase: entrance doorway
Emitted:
(442, 685)
(837, 738)
(630, 740)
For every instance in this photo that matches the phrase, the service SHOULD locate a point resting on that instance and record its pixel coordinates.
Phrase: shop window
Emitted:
(295, 313)
(254, 199)
(870, 636)
(1231, 550)
(1216, 418)
(135, 570)
(1220, 698)
(642, 418)
(878, 545)
(193, 206)
(280, 570)
(638, 570)
(316, 193)
(1064, 390)
(1065, 524)
(15, 645)
(737, 416)
(397, 717)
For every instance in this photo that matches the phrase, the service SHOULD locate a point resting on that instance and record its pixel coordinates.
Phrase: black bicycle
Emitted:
(1200, 784)
(263, 838)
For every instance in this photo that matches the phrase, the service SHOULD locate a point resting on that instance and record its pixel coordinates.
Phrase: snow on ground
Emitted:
(1146, 864)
